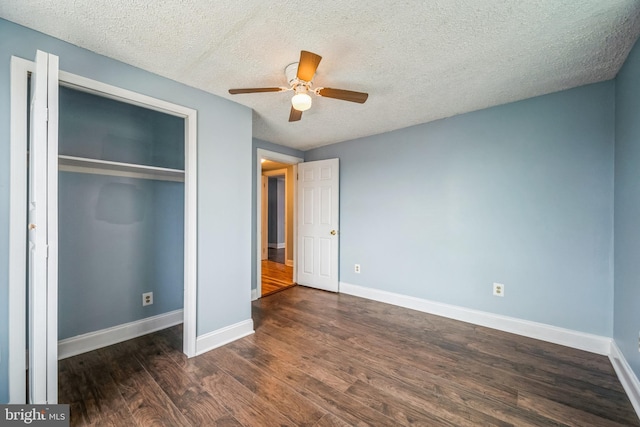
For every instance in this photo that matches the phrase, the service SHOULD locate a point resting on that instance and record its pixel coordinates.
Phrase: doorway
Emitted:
(277, 213)
(275, 236)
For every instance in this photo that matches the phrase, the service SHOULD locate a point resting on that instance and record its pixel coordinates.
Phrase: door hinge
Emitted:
(46, 113)
(47, 254)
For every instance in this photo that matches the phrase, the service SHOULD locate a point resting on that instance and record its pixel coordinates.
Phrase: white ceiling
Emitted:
(418, 60)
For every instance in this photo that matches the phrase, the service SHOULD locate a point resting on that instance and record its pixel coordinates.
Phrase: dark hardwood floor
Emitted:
(322, 359)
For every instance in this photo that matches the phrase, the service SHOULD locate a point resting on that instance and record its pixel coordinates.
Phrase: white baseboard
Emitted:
(626, 376)
(567, 337)
(223, 336)
(93, 340)
(254, 294)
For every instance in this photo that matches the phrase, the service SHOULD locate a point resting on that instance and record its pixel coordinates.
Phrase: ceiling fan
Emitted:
(300, 78)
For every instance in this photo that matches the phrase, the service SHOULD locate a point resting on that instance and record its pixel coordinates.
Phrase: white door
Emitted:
(318, 211)
(43, 231)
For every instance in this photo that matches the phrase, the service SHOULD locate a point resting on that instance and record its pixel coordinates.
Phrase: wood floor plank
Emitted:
(347, 408)
(147, 402)
(330, 420)
(283, 397)
(404, 412)
(562, 413)
(322, 394)
(264, 348)
(93, 395)
(226, 421)
(195, 403)
(330, 360)
(244, 405)
(116, 419)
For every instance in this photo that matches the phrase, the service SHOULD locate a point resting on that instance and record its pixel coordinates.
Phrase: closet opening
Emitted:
(120, 217)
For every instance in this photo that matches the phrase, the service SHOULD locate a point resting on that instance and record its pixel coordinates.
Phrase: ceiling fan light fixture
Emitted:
(301, 101)
(300, 77)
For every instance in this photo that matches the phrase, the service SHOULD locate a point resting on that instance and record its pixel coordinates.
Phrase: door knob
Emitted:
(334, 232)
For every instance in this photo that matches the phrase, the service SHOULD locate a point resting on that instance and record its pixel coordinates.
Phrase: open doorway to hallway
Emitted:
(277, 227)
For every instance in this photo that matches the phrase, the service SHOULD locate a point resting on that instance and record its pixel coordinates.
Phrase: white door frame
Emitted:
(280, 158)
(18, 213)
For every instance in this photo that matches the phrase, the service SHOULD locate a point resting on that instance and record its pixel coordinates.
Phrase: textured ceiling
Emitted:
(418, 60)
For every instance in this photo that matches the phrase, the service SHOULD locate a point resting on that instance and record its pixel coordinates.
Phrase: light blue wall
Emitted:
(110, 255)
(96, 127)
(520, 194)
(256, 144)
(224, 211)
(627, 210)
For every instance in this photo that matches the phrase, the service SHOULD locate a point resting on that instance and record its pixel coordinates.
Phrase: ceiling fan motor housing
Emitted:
(291, 73)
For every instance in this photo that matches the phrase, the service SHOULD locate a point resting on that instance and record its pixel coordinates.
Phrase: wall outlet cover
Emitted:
(147, 298)
(498, 289)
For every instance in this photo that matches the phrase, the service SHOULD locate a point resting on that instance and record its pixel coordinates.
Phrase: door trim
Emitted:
(281, 158)
(18, 200)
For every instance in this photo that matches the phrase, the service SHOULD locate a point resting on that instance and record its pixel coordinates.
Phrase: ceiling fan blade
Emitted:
(308, 65)
(345, 95)
(256, 90)
(295, 115)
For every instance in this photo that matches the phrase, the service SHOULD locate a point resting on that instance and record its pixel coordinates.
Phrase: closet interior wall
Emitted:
(121, 212)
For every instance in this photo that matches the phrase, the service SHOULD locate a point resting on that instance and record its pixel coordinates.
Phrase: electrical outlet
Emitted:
(147, 298)
(498, 289)
(356, 268)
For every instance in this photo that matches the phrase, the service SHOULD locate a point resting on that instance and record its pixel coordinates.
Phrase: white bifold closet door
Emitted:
(42, 240)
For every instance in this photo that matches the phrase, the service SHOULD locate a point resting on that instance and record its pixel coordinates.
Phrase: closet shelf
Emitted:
(130, 170)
